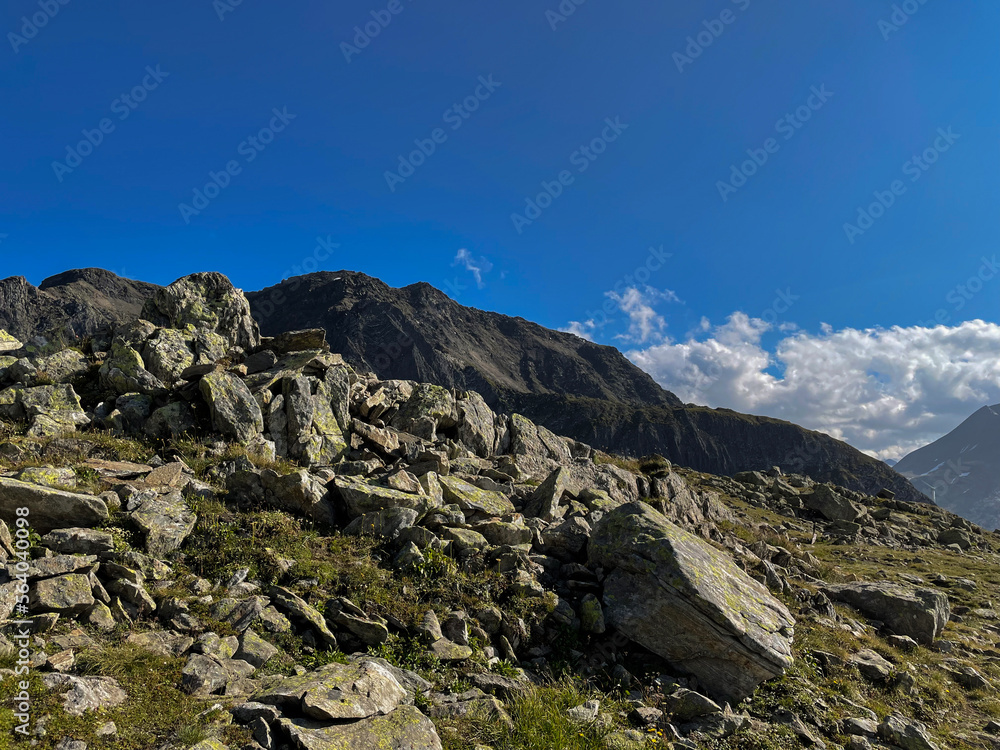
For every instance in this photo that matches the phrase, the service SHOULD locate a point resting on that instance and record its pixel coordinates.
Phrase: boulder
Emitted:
(166, 521)
(297, 341)
(909, 735)
(472, 499)
(8, 343)
(337, 692)
(85, 693)
(49, 508)
(689, 603)
(831, 505)
(300, 610)
(79, 541)
(50, 409)
(170, 421)
(544, 501)
(206, 302)
(235, 412)
(67, 595)
(125, 372)
(300, 492)
(919, 613)
(360, 497)
(406, 728)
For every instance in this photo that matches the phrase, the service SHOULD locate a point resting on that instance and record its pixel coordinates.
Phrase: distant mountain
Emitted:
(890, 461)
(962, 469)
(574, 387)
(75, 303)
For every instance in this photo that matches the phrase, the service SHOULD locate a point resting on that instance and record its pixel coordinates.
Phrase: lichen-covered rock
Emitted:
(337, 692)
(477, 425)
(68, 595)
(50, 409)
(832, 505)
(300, 492)
(472, 499)
(360, 497)
(49, 508)
(79, 541)
(301, 610)
(169, 353)
(684, 600)
(125, 372)
(63, 366)
(8, 343)
(920, 613)
(166, 521)
(429, 406)
(235, 412)
(85, 693)
(205, 302)
(170, 421)
(406, 728)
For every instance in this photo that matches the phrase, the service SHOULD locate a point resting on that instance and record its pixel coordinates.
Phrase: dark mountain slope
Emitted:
(573, 387)
(962, 469)
(77, 302)
(418, 333)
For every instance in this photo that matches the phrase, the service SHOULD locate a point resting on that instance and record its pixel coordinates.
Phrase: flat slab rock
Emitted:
(49, 508)
(404, 729)
(336, 692)
(920, 613)
(689, 603)
(85, 693)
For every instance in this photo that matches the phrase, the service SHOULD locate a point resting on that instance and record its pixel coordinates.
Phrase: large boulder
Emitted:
(406, 728)
(337, 692)
(360, 497)
(831, 505)
(919, 613)
(205, 302)
(689, 603)
(49, 409)
(235, 412)
(49, 508)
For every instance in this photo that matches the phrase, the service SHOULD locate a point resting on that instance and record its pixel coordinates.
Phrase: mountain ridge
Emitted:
(962, 468)
(588, 391)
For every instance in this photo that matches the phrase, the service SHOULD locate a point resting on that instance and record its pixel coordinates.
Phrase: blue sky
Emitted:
(774, 248)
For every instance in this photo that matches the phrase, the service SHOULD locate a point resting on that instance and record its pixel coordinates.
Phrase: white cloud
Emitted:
(885, 391)
(584, 330)
(476, 266)
(645, 324)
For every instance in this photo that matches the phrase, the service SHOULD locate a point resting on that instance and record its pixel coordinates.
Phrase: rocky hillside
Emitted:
(587, 391)
(216, 540)
(962, 469)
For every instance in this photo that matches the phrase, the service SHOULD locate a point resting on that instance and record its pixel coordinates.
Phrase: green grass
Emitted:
(539, 721)
(155, 709)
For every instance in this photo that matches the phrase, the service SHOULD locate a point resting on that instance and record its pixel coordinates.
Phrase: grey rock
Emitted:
(85, 693)
(404, 729)
(234, 410)
(919, 613)
(166, 521)
(206, 302)
(49, 508)
(689, 603)
(336, 692)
